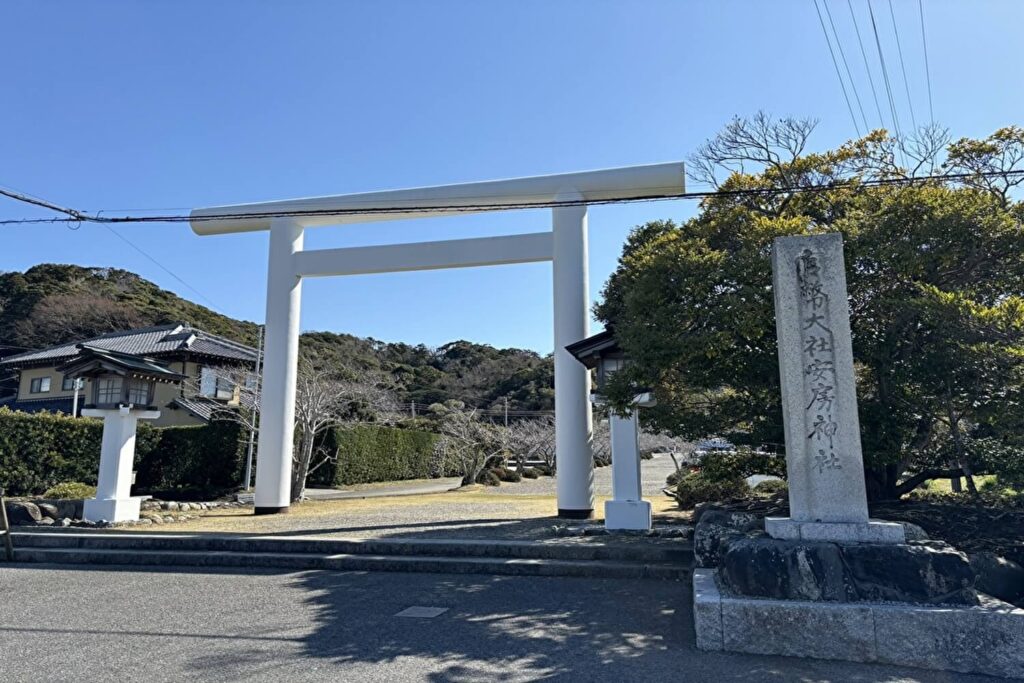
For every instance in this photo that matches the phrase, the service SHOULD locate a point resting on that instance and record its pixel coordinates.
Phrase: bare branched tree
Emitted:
(533, 440)
(751, 145)
(324, 400)
(471, 445)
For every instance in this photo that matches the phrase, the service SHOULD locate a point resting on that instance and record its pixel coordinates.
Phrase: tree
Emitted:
(533, 439)
(467, 443)
(935, 280)
(58, 318)
(324, 400)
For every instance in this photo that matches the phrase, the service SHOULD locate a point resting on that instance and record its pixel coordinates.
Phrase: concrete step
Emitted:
(629, 550)
(355, 562)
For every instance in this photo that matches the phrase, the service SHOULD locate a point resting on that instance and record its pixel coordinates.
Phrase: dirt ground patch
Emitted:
(467, 513)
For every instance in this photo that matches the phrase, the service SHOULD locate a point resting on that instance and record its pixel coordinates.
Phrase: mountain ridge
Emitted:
(50, 303)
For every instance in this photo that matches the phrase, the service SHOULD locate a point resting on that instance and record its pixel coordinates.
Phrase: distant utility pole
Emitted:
(79, 383)
(255, 415)
(506, 412)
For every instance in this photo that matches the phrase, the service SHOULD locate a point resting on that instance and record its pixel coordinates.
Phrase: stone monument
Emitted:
(824, 464)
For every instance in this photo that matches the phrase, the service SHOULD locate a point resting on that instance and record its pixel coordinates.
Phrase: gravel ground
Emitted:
(114, 624)
(525, 510)
(652, 478)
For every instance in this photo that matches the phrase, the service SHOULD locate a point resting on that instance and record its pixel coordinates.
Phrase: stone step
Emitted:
(630, 550)
(356, 562)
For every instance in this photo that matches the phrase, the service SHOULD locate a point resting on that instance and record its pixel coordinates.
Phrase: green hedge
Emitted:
(208, 458)
(40, 450)
(370, 453)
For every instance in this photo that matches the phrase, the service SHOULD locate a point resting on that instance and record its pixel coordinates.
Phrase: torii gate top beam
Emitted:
(631, 182)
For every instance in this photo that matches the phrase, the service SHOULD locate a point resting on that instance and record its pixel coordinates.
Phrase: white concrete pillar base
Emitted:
(113, 509)
(632, 515)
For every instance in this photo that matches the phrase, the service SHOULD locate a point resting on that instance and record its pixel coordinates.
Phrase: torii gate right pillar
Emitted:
(573, 422)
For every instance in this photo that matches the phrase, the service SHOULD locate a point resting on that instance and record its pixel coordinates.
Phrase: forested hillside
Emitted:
(50, 303)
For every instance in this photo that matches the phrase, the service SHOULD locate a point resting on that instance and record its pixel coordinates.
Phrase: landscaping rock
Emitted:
(48, 510)
(716, 528)
(64, 522)
(998, 577)
(913, 532)
(45, 521)
(760, 566)
(21, 512)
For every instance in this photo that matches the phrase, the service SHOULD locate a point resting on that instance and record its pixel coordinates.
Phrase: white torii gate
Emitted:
(565, 246)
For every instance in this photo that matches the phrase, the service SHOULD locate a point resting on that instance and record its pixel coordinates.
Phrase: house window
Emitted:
(138, 392)
(225, 389)
(40, 385)
(108, 391)
(68, 384)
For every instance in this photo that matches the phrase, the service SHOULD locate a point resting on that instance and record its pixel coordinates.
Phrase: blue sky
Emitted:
(171, 105)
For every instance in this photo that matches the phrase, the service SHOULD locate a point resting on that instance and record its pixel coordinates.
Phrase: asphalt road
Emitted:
(61, 624)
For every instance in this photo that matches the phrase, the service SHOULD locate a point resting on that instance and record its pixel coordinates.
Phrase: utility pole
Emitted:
(74, 402)
(506, 412)
(255, 416)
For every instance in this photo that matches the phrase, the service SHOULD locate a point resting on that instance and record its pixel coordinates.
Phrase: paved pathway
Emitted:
(60, 624)
(394, 488)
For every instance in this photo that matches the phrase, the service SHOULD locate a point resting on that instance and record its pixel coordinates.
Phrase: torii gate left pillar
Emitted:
(565, 246)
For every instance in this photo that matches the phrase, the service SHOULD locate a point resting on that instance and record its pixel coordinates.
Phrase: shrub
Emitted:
(40, 450)
(372, 453)
(505, 474)
(207, 459)
(70, 490)
(544, 470)
(742, 464)
(530, 473)
(488, 478)
(696, 487)
(771, 487)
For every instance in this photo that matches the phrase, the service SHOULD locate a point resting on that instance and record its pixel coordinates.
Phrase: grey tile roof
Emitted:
(206, 408)
(148, 341)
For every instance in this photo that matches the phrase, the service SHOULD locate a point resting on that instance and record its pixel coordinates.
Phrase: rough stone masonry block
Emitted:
(987, 639)
(707, 611)
(798, 629)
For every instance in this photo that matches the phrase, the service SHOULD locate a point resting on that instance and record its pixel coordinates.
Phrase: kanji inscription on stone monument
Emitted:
(819, 404)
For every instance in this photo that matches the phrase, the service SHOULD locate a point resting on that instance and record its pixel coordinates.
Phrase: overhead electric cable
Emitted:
(885, 73)
(162, 267)
(835, 63)
(903, 66)
(927, 70)
(82, 216)
(846, 64)
(867, 66)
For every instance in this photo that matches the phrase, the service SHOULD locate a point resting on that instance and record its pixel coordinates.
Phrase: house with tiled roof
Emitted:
(210, 363)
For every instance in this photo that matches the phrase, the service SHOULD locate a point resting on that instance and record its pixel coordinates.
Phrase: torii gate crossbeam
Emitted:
(565, 246)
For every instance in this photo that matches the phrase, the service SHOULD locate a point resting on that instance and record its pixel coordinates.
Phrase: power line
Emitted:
(162, 267)
(885, 73)
(849, 74)
(749, 192)
(903, 66)
(835, 63)
(867, 67)
(927, 70)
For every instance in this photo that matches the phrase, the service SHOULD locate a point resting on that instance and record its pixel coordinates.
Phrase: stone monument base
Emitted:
(634, 515)
(984, 639)
(113, 509)
(788, 529)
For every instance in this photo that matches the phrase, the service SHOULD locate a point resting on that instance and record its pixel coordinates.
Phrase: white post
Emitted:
(113, 501)
(280, 366)
(573, 427)
(627, 509)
